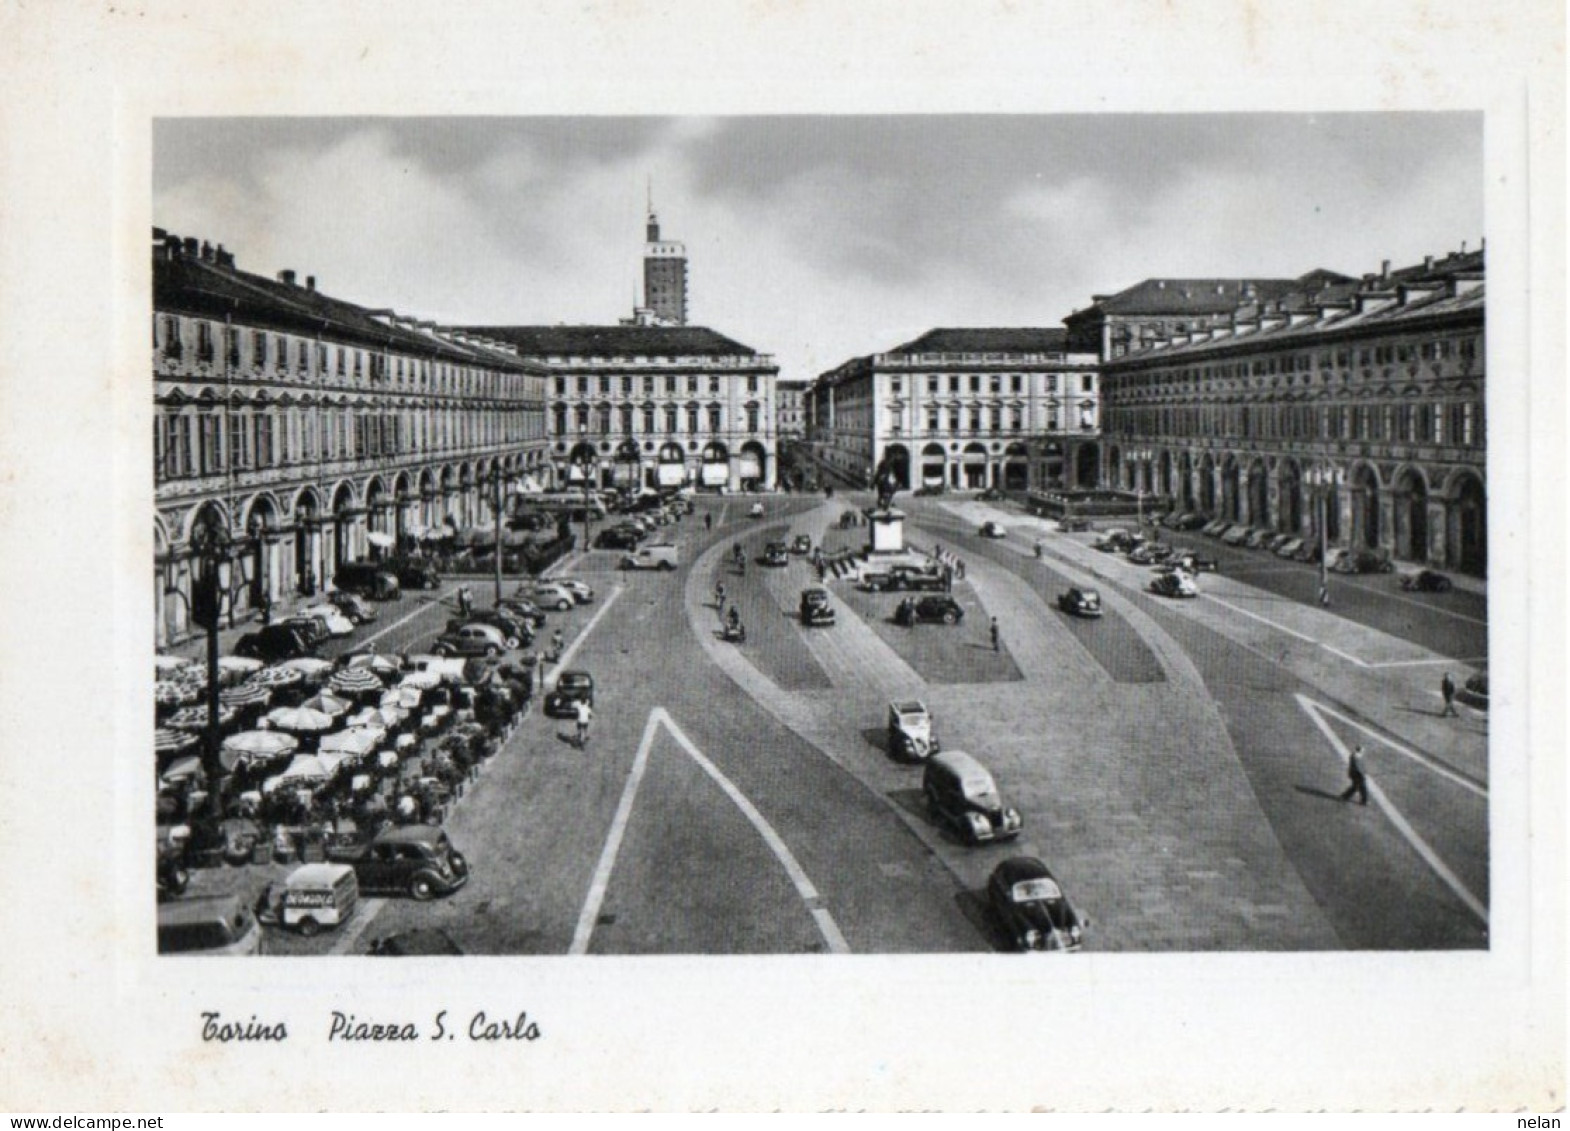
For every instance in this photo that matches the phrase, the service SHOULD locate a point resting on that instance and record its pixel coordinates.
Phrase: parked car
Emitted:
(801, 544)
(549, 595)
(816, 607)
(1191, 561)
(906, 576)
(618, 538)
(775, 554)
(910, 735)
(1187, 520)
(1474, 693)
(1117, 540)
(1289, 547)
(1235, 535)
(415, 573)
(661, 555)
(991, 495)
(218, 924)
(571, 688)
(1070, 525)
(1031, 907)
(1215, 528)
(961, 794)
(353, 606)
(875, 580)
(1258, 537)
(929, 489)
(755, 511)
(1426, 581)
(1359, 559)
(582, 592)
(524, 609)
(367, 580)
(1276, 541)
(1309, 552)
(338, 624)
(1080, 602)
(311, 897)
(1174, 584)
(414, 860)
(993, 530)
(515, 632)
(275, 642)
(1150, 553)
(936, 608)
(471, 639)
(314, 628)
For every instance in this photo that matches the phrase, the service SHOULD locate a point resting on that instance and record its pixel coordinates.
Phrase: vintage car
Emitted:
(1174, 584)
(927, 489)
(414, 573)
(549, 595)
(311, 897)
(937, 608)
(1073, 525)
(911, 737)
(755, 511)
(1426, 581)
(801, 544)
(619, 538)
(471, 639)
(1474, 693)
(516, 632)
(993, 530)
(313, 628)
(1359, 560)
(961, 795)
(275, 642)
(1258, 538)
(1150, 553)
(816, 607)
(1215, 528)
(1189, 561)
(1289, 547)
(417, 860)
(582, 592)
(571, 688)
(524, 609)
(1236, 534)
(338, 622)
(353, 606)
(991, 495)
(656, 555)
(875, 580)
(1080, 602)
(1117, 541)
(775, 554)
(1031, 907)
(903, 575)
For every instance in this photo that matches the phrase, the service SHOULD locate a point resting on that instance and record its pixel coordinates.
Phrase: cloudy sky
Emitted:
(814, 238)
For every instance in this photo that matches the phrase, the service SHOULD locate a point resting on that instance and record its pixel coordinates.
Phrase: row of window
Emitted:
(287, 356)
(189, 442)
(972, 382)
(601, 418)
(1454, 423)
(1344, 359)
(606, 385)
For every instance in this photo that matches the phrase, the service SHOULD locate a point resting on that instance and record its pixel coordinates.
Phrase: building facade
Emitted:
(1361, 400)
(654, 406)
(962, 408)
(664, 277)
(311, 430)
(789, 409)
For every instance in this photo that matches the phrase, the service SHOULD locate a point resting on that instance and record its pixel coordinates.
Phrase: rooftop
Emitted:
(615, 341)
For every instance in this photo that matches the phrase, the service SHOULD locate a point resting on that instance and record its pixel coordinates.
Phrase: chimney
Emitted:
(310, 282)
(1463, 247)
(207, 252)
(192, 249)
(286, 278)
(223, 258)
(1384, 270)
(1428, 263)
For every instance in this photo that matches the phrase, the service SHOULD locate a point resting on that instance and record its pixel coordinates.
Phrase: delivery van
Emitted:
(318, 895)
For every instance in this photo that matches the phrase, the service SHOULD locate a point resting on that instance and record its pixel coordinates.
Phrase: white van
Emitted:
(659, 555)
(317, 896)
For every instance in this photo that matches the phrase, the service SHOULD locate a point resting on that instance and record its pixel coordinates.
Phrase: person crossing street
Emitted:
(585, 714)
(1359, 781)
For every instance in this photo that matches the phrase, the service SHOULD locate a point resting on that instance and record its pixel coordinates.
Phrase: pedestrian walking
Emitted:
(465, 601)
(996, 646)
(708, 521)
(1354, 773)
(719, 595)
(1447, 688)
(962, 569)
(585, 713)
(948, 579)
(267, 608)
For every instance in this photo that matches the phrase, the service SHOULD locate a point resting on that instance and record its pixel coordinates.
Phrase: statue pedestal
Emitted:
(888, 531)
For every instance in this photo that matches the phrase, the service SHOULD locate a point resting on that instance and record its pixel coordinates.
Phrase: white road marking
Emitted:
(1473, 660)
(577, 641)
(804, 888)
(1272, 624)
(352, 933)
(809, 894)
(1316, 708)
(1419, 845)
(405, 620)
(602, 871)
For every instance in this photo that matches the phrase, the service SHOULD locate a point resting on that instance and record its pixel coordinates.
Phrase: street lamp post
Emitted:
(214, 552)
(1324, 479)
(1141, 458)
(496, 483)
(586, 467)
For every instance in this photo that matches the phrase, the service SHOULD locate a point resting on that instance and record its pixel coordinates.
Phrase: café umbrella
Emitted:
(164, 665)
(406, 697)
(181, 769)
(356, 742)
(277, 676)
(328, 704)
(195, 718)
(256, 746)
(421, 680)
(309, 667)
(355, 681)
(300, 719)
(238, 667)
(168, 741)
(248, 694)
(377, 538)
(378, 662)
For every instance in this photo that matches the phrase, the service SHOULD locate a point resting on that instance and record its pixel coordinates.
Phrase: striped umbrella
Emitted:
(232, 669)
(301, 719)
(195, 718)
(378, 662)
(277, 676)
(169, 693)
(167, 741)
(355, 681)
(256, 746)
(248, 694)
(309, 667)
(328, 704)
(180, 769)
(168, 665)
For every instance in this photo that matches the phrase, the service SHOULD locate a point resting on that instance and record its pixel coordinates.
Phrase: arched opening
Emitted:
(1467, 537)
(1258, 495)
(1185, 482)
(1290, 486)
(1207, 485)
(1365, 507)
(897, 456)
(714, 466)
(973, 465)
(1231, 494)
(1411, 512)
(307, 536)
(344, 517)
(627, 466)
(1016, 467)
(260, 564)
(752, 466)
(1087, 466)
(933, 463)
(1163, 484)
(670, 469)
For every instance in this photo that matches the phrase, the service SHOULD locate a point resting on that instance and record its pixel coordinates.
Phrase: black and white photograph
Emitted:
(655, 586)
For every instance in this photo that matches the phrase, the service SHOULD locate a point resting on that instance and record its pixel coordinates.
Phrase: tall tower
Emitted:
(664, 274)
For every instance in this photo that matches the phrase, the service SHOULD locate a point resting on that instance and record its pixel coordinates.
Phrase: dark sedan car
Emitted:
(517, 632)
(1080, 602)
(801, 544)
(274, 643)
(775, 554)
(934, 609)
(1030, 905)
(571, 688)
(417, 860)
(619, 538)
(1426, 581)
